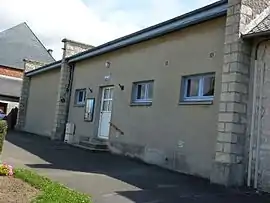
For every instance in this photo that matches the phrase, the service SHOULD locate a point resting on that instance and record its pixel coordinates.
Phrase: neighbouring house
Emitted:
(17, 44)
(190, 94)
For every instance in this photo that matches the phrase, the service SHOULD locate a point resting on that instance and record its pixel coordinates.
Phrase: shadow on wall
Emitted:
(156, 184)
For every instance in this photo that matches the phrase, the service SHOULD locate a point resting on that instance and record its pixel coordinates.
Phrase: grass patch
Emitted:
(50, 191)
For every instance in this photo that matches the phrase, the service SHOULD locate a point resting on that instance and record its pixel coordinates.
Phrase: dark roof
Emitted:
(209, 12)
(18, 43)
(10, 87)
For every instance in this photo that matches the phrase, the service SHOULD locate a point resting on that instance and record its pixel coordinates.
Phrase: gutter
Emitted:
(200, 15)
(256, 34)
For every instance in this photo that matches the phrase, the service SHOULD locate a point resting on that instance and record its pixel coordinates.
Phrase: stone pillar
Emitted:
(229, 165)
(64, 88)
(28, 66)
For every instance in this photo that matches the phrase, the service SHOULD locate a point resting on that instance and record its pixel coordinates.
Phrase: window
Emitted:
(199, 87)
(80, 97)
(142, 92)
(89, 109)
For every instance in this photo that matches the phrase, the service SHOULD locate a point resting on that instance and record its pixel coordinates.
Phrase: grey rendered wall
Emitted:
(41, 103)
(180, 137)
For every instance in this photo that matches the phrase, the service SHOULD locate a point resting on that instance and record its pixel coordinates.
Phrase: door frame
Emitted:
(102, 89)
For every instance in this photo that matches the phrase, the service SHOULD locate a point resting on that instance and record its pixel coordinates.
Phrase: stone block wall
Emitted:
(229, 164)
(28, 66)
(64, 88)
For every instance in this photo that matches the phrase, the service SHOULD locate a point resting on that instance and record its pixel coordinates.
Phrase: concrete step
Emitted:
(95, 145)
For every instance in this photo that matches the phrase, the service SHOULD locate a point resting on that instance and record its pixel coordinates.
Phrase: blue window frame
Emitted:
(142, 92)
(199, 87)
(80, 95)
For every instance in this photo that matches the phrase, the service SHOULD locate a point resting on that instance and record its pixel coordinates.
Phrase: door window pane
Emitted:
(105, 105)
(106, 93)
(110, 106)
(111, 94)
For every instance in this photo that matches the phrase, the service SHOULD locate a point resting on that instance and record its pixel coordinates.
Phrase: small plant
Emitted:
(6, 170)
(51, 191)
(3, 132)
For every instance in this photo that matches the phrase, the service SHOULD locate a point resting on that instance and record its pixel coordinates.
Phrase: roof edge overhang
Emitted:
(47, 67)
(200, 16)
(257, 34)
(212, 11)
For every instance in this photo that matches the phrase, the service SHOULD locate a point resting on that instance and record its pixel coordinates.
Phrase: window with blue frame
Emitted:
(142, 92)
(80, 95)
(198, 87)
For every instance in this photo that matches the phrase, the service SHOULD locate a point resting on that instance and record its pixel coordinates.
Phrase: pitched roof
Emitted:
(18, 43)
(259, 26)
(200, 15)
(10, 87)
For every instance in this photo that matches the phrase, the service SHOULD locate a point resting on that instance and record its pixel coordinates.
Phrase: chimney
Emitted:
(72, 47)
(50, 51)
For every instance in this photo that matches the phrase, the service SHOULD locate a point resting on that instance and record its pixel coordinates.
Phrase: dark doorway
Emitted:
(3, 107)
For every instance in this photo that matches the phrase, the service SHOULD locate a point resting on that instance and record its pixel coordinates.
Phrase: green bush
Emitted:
(3, 132)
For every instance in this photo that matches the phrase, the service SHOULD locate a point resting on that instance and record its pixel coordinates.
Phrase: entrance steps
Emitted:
(94, 144)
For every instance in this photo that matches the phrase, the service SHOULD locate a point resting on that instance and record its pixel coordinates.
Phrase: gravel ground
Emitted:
(15, 191)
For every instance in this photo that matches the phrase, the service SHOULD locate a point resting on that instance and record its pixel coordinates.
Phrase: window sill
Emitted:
(88, 121)
(141, 104)
(196, 103)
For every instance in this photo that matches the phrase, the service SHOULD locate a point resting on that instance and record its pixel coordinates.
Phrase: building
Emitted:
(190, 94)
(16, 44)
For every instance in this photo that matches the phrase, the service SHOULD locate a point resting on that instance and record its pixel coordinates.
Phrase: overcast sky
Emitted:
(90, 21)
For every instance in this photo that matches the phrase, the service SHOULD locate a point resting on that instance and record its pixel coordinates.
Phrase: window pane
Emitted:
(193, 87)
(150, 91)
(140, 91)
(209, 86)
(81, 96)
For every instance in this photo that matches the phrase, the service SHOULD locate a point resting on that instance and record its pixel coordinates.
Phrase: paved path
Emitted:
(114, 179)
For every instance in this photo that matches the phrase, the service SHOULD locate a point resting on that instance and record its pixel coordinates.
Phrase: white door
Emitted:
(105, 112)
